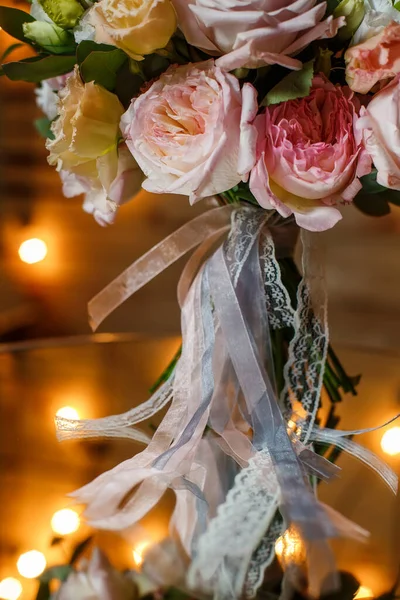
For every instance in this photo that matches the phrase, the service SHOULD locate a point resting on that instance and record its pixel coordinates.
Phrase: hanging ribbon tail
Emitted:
(237, 455)
(155, 261)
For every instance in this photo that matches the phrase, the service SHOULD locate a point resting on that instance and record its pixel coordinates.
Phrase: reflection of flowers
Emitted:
(98, 581)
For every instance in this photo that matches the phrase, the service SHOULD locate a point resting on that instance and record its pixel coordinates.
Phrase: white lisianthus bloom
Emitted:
(84, 30)
(378, 14)
(47, 100)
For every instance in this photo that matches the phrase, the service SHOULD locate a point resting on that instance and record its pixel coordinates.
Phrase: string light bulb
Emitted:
(65, 521)
(32, 251)
(363, 592)
(68, 412)
(10, 588)
(390, 442)
(289, 548)
(31, 564)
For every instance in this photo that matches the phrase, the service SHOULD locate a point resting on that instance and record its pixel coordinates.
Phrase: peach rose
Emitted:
(138, 27)
(191, 131)
(376, 59)
(380, 127)
(254, 33)
(309, 156)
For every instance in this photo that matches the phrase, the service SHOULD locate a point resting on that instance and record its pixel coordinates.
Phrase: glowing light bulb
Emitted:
(10, 589)
(138, 553)
(364, 592)
(65, 521)
(32, 251)
(68, 412)
(390, 441)
(31, 564)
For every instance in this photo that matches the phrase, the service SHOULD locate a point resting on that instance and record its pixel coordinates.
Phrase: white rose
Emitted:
(99, 581)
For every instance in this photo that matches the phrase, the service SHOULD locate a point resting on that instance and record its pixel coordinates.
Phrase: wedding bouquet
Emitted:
(279, 113)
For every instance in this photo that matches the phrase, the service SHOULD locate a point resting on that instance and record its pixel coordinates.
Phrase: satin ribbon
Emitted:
(156, 260)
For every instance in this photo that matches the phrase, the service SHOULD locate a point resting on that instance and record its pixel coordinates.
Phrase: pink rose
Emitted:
(253, 33)
(376, 59)
(309, 157)
(380, 127)
(191, 131)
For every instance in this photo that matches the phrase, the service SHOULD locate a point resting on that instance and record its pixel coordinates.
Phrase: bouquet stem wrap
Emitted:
(239, 484)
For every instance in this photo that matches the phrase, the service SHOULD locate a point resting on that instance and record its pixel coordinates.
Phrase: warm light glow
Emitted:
(364, 592)
(65, 521)
(31, 564)
(390, 441)
(68, 412)
(32, 251)
(10, 589)
(138, 553)
(289, 548)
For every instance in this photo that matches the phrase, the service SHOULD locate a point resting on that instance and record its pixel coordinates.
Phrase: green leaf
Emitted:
(43, 591)
(102, 67)
(59, 572)
(374, 205)
(36, 69)
(43, 127)
(87, 46)
(9, 50)
(295, 85)
(393, 196)
(12, 20)
(370, 185)
(80, 549)
(397, 6)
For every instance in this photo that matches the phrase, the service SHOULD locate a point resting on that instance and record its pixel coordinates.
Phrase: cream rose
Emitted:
(191, 132)
(136, 26)
(87, 127)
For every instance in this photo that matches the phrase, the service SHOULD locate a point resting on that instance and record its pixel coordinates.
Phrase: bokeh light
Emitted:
(364, 592)
(390, 441)
(65, 521)
(31, 564)
(138, 553)
(32, 251)
(10, 588)
(68, 412)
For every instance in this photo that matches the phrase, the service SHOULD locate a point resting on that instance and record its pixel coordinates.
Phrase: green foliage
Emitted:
(42, 126)
(375, 199)
(100, 63)
(59, 572)
(9, 50)
(102, 67)
(12, 21)
(296, 84)
(38, 68)
(50, 37)
(43, 591)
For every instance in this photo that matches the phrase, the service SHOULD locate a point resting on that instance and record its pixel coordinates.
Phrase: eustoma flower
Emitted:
(380, 127)
(85, 148)
(309, 157)
(137, 26)
(191, 132)
(252, 33)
